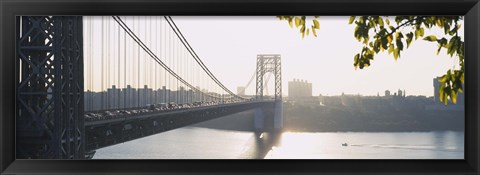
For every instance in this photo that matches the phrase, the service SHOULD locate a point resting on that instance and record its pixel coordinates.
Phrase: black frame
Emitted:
(9, 9)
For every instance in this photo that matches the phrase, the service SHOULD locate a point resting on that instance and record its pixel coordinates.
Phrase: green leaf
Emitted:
(314, 31)
(352, 18)
(389, 39)
(441, 93)
(453, 97)
(409, 38)
(297, 21)
(399, 44)
(355, 60)
(302, 30)
(316, 24)
(417, 34)
(380, 21)
(387, 21)
(439, 49)
(391, 48)
(396, 53)
(430, 38)
(384, 42)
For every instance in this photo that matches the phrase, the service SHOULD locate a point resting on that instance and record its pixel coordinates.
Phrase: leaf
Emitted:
(302, 30)
(387, 21)
(352, 18)
(409, 38)
(314, 31)
(439, 22)
(417, 34)
(297, 21)
(391, 48)
(316, 24)
(441, 93)
(430, 38)
(453, 97)
(384, 42)
(380, 21)
(399, 44)
(396, 53)
(389, 39)
(355, 60)
(439, 49)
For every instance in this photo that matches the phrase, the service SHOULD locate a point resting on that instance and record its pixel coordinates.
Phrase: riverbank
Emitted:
(329, 119)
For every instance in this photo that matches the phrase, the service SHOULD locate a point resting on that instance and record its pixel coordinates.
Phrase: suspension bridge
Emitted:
(85, 83)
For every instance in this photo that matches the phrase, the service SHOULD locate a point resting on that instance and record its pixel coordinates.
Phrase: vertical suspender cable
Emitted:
(125, 69)
(144, 99)
(138, 70)
(108, 63)
(102, 50)
(118, 67)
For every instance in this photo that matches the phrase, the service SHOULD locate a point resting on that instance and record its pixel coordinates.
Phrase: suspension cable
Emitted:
(148, 51)
(195, 56)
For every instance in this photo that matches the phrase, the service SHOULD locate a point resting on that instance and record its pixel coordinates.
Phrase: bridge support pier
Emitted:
(278, 116)
(259, 119)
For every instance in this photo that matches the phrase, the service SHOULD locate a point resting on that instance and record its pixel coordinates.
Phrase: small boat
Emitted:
(344, 144)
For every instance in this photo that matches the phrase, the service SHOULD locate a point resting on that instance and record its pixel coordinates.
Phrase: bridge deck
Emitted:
(109, 132)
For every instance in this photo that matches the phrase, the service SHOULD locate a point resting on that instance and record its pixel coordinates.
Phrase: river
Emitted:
(204, 143)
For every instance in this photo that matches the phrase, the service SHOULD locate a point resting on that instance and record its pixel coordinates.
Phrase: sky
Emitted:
(228, 45)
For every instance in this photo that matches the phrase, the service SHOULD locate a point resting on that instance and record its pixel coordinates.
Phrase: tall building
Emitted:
(299, 88)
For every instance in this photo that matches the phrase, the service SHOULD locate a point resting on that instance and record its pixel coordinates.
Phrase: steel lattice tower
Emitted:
(49, 109)
(269, 63)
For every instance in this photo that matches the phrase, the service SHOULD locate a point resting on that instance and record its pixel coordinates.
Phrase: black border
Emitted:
(10, 8)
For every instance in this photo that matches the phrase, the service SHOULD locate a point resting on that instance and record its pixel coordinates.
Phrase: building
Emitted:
(299, 88)
(387, 93)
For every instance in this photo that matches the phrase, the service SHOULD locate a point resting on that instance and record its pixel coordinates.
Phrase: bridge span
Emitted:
(109, 132)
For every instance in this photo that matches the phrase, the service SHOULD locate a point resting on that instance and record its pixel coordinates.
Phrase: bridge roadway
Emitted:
(103, 133)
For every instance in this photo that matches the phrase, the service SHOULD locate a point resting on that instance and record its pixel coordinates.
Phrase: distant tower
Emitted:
(387, 93)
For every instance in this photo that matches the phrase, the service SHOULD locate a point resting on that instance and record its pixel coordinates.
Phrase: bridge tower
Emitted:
(49, 83)
(269, 63)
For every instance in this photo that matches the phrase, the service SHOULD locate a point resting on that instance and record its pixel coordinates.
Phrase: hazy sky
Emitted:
(229, 45)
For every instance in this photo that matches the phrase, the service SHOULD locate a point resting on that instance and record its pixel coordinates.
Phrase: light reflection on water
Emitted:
(363, 145)
(202, 143)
